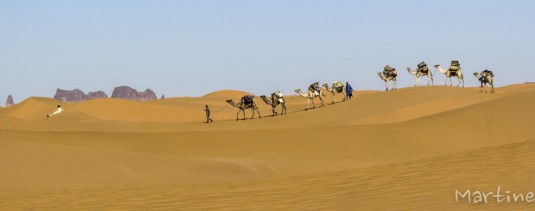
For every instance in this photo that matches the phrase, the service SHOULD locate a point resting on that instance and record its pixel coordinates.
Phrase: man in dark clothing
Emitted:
(208, 119)
(349, 91)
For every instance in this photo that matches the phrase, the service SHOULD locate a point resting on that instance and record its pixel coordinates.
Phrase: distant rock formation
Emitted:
(9, 101)
(125, 92)
(530, 83)
(76, 95)
(98, 94)
(163, 97)
(69, 96)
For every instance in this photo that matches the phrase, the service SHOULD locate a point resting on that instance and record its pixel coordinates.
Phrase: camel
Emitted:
(419, 73)
(450, 74)
(388, 78)
(337, 87)
(242, 106)
(311, 94)
(274, 101)
(486, 77)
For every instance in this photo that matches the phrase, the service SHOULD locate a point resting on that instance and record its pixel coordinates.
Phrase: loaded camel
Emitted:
(274, 101)
(314, 90)
(421, 71)
(245, 103)
(337, 87)
(453, 71)
(389, 74)
(485, 77)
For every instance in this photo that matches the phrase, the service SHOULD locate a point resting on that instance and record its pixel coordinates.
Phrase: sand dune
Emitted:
(406, 149)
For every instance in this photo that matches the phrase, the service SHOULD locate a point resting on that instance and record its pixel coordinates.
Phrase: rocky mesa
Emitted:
(125, 92)
(77, 95)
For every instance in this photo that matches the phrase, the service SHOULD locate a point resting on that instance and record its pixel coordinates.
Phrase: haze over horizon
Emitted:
(191, 48)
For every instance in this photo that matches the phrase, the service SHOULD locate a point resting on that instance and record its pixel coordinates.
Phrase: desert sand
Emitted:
(407, 149)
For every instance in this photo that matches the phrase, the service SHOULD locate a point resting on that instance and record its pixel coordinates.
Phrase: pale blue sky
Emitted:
(190, 48)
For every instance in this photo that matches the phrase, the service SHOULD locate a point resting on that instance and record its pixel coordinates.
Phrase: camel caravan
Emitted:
(422, 70)
(389, 74)
(277, 98)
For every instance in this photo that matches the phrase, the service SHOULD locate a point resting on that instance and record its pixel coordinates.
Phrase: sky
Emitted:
(191, 48)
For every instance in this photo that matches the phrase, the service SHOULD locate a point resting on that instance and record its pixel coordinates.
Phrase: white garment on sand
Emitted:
(57, 111)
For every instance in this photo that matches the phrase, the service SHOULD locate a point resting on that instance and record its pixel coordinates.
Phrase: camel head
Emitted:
(298, 90)
(437, 65)
(476, 74)
(229, 101)
(381, 75)
(325, 85)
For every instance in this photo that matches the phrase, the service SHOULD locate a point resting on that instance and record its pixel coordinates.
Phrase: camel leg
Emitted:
(252, 117)
(386, 85)
(395, 84)
(237, 114)
(283, 109)
(332, 98)
(257, 111)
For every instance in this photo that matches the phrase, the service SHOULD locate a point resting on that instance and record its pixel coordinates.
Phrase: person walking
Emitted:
(349, 91)
(207, 110)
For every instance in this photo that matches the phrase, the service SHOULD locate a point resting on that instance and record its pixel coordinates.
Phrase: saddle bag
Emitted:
(247, 99)
(388, 68)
